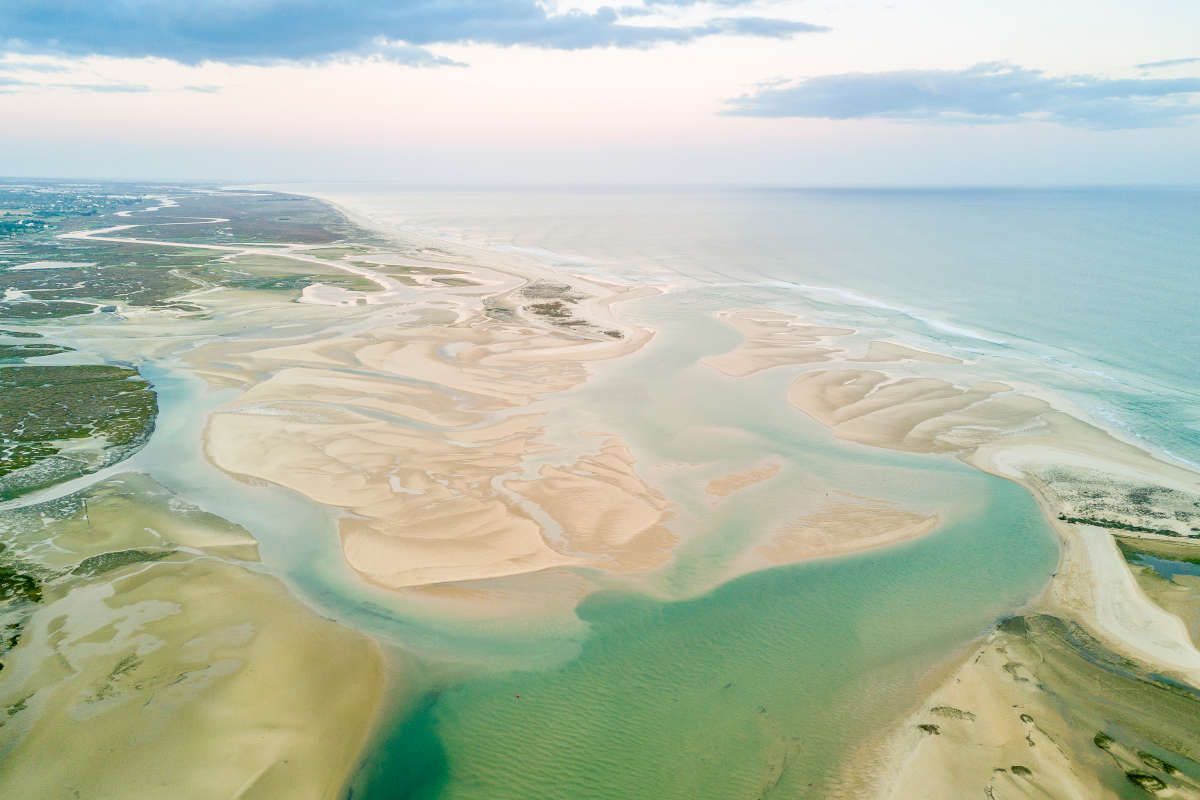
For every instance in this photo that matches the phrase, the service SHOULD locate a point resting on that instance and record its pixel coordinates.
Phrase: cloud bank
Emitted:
(985, 93)
(257, 31)
(1168, 63)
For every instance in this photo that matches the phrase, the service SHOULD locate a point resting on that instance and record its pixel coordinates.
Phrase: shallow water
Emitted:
(689, 684)
(1166, 568)
(1088, 294)
(776, 678)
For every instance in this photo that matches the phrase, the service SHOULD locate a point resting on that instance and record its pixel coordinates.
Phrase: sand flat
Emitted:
(773, 339)
(607, 513)
(843, 524)
(1041, 709)
(196, 680)
(891, 352)
(414, 428)
(725, 485)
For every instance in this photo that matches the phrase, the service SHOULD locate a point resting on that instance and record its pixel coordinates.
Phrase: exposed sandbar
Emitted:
(725, 485)
(419, 432)
(887, 352)
(772, 339)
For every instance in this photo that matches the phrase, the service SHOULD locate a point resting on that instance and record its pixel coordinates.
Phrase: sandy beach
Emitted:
(967, 737)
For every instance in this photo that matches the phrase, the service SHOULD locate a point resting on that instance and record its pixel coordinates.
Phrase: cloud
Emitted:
(1170, 62)
(103, 88)
(9, 85)
(23, 65)
(984, 93)
(264, 31)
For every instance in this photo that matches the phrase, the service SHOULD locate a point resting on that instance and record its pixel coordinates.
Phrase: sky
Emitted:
(467, 92)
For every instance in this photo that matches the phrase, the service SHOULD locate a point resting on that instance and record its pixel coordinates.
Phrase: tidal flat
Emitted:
(419, 517)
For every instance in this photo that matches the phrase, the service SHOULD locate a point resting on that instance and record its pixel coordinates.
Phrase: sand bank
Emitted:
(887, 352)
(193, 676)
(726, 485)
(1091, 485)
(420, 433)
(844, 524)
(1077, 471)
(772, 339)
(197, 679)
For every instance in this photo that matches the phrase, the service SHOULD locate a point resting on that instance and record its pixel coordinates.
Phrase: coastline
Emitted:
(1029, 442)
(427, 415)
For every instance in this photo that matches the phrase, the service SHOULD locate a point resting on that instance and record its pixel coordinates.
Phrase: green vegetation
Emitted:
(17, 583)
(43, 309)
(15, 353)
(106, 562)
(1116, 525)
(1143, 723)
(252, 217)
(545, 290)
(42, 406)
(555, 309)
(1091, 497)
(27, 209)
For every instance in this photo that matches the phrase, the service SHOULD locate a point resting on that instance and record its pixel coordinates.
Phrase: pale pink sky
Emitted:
(520, 114)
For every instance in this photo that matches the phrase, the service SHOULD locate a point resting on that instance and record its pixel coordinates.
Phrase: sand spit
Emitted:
(772, 339)
(420, 433)
(1079, 473)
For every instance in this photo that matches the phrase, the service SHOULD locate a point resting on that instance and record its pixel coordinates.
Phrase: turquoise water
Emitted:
(768, 681)
(690, 684)
(774, 679)
(772, 684)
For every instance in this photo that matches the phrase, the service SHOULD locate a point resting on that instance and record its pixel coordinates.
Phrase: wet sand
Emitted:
(152, 661)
